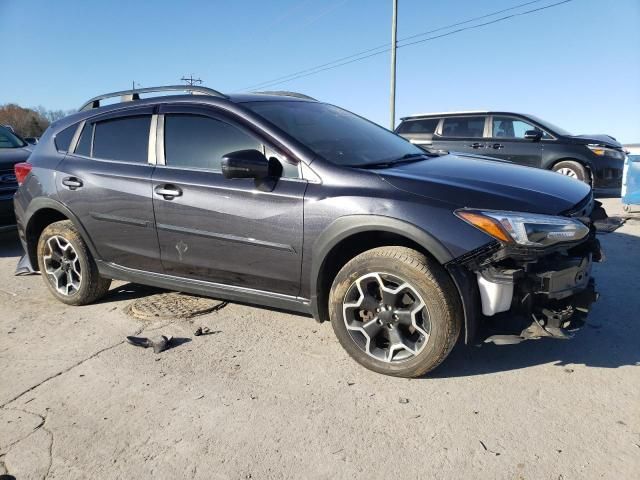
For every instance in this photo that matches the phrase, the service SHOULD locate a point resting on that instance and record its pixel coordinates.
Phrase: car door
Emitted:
(464, 133)
(226, 231)
(105, 180)
(507, 141)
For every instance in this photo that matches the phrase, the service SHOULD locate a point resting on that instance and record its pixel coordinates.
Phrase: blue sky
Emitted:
(576, 65)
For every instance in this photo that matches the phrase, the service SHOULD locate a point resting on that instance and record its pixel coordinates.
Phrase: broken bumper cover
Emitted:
(529, 293)
(548, 299)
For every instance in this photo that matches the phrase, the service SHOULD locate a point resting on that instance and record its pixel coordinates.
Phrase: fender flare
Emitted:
(38, 204)
(347, 226)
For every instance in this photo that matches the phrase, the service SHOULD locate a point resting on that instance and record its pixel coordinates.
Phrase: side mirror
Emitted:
(245, 164)
(533, 135)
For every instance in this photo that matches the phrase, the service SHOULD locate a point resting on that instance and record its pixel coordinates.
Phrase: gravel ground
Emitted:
(272, 395)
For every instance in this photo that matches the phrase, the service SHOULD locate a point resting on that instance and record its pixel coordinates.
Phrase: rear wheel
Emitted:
(395, 311)
(572, 169)
(67, 266)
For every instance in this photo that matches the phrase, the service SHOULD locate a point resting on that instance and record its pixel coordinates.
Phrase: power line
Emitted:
(372, 52)
(386, 46)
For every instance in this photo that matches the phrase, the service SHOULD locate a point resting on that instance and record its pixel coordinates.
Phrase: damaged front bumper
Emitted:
(514, 293)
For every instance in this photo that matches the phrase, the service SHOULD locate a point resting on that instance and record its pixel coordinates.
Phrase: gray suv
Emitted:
(278, 200)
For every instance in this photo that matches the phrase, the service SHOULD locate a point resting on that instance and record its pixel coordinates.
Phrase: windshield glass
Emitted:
(551, 126)
(9, 140)
(338, 136)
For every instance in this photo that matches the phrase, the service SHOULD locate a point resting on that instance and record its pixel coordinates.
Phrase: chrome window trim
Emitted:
(151, 147)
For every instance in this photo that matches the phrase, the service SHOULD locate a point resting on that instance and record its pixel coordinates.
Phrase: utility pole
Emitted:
(190, 80)
(394, 44)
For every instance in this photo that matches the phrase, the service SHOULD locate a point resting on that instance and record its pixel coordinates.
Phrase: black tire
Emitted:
(429, 280)
(572, 169)
(91, 286)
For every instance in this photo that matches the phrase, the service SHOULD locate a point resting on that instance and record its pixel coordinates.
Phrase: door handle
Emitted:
(477, 145)
(72, 182)
(169, 192)
(498, 146)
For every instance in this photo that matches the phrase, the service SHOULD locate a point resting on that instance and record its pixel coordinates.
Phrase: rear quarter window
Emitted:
(427, 125)
(64, 137)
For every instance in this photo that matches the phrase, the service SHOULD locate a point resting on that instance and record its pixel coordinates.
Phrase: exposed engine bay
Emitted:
(531, 291)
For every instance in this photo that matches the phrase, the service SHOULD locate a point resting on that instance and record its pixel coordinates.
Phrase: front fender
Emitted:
(347, 226)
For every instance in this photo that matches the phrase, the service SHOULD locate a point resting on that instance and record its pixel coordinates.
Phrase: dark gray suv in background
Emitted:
(523, 139)
(283, 201)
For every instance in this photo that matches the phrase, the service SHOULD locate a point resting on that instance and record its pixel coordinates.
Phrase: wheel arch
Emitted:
(349, 236)
(585, 164)
(43, 212)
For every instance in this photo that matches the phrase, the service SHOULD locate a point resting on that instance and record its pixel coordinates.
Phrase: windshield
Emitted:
(551, 126)
(336, 135)
(9, 140)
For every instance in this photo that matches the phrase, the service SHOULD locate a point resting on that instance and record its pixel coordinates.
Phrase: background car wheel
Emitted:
(67, 267)
(395, 311)
(572, 169)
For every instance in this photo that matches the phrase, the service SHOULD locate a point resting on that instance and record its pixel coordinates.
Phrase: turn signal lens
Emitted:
(486, 224)
(528, 229)
(21, 170)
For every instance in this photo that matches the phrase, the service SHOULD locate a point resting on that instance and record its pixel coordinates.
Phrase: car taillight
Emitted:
(22, 169)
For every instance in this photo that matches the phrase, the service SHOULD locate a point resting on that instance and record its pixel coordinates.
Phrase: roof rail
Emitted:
(431, 114)
(285, 93)
(129, 95)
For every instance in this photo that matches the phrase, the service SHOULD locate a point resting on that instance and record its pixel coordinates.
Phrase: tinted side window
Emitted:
(200, 142)
(470, 127)
(505, 127)
(63, 138)
(125, 139)
(84, 142)
(427, 125)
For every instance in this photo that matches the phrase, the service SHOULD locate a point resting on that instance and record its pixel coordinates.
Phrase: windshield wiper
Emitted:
(409, 157)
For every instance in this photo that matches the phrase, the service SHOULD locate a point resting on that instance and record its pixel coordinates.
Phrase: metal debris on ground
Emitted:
(159, 343)
(173, 305)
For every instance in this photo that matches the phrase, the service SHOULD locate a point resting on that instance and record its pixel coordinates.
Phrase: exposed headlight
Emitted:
(527, 229)
(602, 151)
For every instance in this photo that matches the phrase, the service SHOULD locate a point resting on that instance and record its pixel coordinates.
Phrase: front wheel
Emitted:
(573, 170)
(67, 266)
(395, 311)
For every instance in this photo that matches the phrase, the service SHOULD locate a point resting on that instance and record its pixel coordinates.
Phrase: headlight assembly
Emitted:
(602, 151)
(526, 229)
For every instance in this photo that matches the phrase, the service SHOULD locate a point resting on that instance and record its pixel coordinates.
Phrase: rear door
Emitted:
(506, 141)
(106, 181)
(226, 231)
(465, 133)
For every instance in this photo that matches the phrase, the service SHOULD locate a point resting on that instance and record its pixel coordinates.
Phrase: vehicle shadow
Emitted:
(608, 340)
(129, 291)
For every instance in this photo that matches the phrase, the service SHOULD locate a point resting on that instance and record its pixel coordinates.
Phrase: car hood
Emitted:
(10, 156)
(468, 181)
(598, 139)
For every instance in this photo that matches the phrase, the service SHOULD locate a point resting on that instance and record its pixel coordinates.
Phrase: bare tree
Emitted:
(25, 121)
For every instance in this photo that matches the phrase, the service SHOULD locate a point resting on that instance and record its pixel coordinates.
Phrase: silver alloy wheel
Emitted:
(62, 265)
(569, 172)
(386, 317)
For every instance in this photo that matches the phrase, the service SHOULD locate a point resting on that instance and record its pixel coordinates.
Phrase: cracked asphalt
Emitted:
(272, 395)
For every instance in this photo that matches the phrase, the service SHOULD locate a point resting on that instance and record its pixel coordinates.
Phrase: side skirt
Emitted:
(243, 295)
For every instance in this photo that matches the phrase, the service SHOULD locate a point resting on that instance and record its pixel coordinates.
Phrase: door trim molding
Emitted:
(227, 237)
